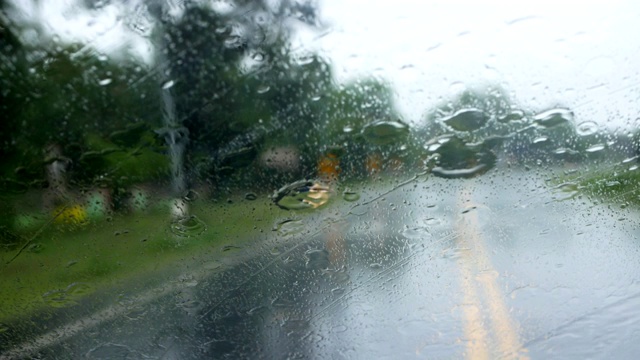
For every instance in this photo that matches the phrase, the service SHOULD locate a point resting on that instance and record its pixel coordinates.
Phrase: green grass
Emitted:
(105, 253)
(615, 185)
(67, 261)
(621, 188)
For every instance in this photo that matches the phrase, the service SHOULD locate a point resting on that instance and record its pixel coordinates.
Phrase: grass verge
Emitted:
(614, 185)
(66, 262)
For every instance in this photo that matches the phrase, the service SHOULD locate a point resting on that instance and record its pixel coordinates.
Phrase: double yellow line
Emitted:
(479, 281)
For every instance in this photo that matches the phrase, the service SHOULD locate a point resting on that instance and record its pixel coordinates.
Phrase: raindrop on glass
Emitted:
(188, 226)
(301, 195)
(350, 196)
(289, 227)
(168, 85)
(191, 195)
(466, 120)
(317, 259)
(233, 41)
(416, 233)
(385, 132)
(459, 173)
(515, 115)
(587, 128)
(553, 117)
(595, 148)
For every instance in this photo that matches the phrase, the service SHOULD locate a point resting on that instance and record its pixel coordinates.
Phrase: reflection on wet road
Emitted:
(482, 268)
(474, 263)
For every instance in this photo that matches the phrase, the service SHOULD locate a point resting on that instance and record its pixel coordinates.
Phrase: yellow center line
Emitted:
(474, 331)
(504, 329)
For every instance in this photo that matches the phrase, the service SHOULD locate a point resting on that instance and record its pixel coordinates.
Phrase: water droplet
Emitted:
(385, 132)
(258, 56)
(459, 173)
(263, 89)
(136, 314)
(567, 187)
(567, 191)
(595, 148)
(416, 233)
(347, 129)
(339, 329)
(587, 128)
(110, 351)
(191, 195)
(337, 291)
(540, 139)
(561, 151)
(179, 208)
(349, 195)
(233, 41)
(105, 82)
(188, 281)
(454, 252)
(317, 259)
(35, 248)
(78, 289)
(300, 195)
(212, 265)
(250, 196)
(466, 120)
(188, 226)
(66, 297)
(553, 117)
(305, 59)
(227, 248)
(289, 227)
(515, 115)
(56, 299)
(458, 159)
(103, 57)
(168, 85)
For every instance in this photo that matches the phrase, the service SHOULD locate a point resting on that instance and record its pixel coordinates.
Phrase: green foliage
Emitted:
(67, 95)
(135, 161)
(240, 90)
(621, 187)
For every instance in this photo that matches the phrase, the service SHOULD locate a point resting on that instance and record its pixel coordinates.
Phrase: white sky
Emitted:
(582, 55)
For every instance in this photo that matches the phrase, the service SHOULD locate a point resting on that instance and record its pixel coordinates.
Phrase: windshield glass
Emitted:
(319, 179)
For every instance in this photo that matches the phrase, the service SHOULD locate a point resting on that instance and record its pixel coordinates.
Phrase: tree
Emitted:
(238, 88)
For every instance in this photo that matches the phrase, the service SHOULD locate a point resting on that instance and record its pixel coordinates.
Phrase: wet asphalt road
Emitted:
(489, 268)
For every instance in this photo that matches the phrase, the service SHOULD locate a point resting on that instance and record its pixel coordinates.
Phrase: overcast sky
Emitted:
(583, 55)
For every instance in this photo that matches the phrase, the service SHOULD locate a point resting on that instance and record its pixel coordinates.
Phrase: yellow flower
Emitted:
(74, 214)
